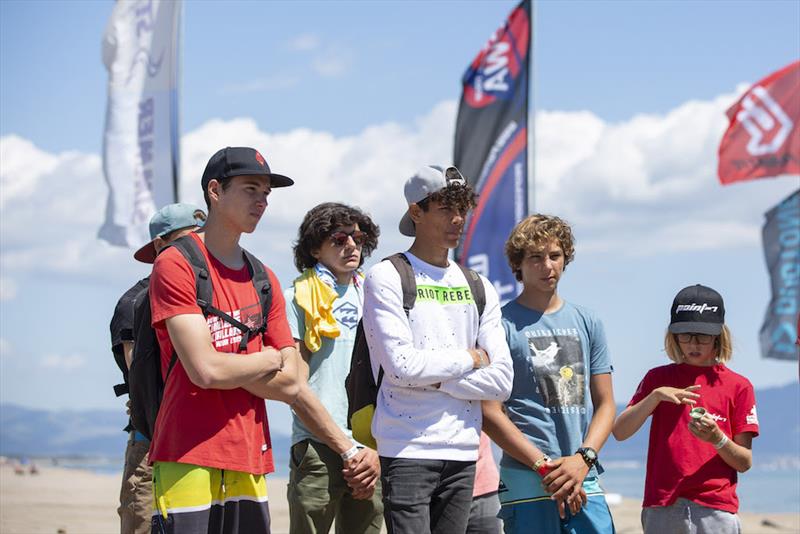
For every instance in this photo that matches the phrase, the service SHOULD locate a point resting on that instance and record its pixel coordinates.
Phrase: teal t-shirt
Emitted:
(329, 366)
(554, 356)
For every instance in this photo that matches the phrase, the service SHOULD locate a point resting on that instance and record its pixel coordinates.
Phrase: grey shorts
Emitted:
(687, 517)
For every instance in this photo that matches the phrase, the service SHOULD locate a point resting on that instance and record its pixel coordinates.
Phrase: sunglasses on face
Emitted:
(339, 239)
(702, 339)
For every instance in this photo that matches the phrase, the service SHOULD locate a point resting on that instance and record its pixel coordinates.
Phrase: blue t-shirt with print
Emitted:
(330, 365)
(554, 356)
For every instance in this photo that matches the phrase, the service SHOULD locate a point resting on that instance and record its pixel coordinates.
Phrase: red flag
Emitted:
(763, 138)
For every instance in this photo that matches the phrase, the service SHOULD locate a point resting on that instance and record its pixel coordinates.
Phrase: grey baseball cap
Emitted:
(168, 219)
(426, 181)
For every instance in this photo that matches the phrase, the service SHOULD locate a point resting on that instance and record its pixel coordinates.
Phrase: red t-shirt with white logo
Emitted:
(224, 429)
(678, 463)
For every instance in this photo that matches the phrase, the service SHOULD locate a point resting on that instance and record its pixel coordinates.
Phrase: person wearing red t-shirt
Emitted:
(704, 421)
(211, 446)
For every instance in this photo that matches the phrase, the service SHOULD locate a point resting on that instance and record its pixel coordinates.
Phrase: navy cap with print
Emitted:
(697, 309)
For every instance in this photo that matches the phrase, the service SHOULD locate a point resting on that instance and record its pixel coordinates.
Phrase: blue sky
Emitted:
(349, 98)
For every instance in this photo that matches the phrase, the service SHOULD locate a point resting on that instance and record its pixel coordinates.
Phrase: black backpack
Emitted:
(362, 391)
(146, 382)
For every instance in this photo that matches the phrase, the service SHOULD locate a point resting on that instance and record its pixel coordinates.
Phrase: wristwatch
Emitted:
(589, 455)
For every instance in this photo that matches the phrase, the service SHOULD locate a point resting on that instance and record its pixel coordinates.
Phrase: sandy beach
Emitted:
(68, 501)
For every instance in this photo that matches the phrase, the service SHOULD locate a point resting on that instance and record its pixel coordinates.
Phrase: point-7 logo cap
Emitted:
(240, 161)
(697, 309)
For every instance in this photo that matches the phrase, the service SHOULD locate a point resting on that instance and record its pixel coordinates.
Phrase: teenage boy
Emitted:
(136, 494)
(438, 363)
(561, 362)
(211, 446)
(323, 306)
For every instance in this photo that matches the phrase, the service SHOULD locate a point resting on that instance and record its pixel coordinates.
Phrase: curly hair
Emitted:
(460, 197)
(533, 233)
(321, 221)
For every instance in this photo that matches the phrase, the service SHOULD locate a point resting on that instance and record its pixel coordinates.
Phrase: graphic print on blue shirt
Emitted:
(346, 314)
(557, 363)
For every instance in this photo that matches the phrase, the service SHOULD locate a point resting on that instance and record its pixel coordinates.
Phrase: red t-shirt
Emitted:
(224, 429)
(678, 463)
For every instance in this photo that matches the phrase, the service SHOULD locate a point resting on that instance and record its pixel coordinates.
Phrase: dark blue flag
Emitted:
(781, 236)
(491, 147)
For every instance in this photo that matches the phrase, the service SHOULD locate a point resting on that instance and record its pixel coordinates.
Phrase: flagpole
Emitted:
(176, 125)
(532, 114)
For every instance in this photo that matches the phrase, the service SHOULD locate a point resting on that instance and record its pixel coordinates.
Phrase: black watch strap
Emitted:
(589, 455)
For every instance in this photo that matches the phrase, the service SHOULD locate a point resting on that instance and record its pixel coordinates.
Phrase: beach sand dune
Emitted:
(80, 502)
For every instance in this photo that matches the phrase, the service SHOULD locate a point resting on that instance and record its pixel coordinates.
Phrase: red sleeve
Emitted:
(744, 411)
(646, 386)
(172, 287)
(278, 333)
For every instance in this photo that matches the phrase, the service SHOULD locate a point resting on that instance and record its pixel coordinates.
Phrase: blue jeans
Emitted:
(426, 496)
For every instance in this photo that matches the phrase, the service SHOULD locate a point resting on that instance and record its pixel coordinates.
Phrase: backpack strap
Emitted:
(476, 287)
(407, 281)
(263, 290)
(189, 249)
(408, 284)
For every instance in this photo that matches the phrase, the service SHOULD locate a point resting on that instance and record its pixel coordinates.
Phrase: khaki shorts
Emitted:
(136, 495)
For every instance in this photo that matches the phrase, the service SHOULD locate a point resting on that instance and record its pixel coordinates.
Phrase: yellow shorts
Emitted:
(193, 498)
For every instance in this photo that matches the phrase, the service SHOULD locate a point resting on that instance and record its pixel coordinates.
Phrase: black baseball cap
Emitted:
(697, 309)
(240, 161)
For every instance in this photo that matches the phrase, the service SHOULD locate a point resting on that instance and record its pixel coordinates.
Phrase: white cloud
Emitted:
(63, 362)
(642, 187)
(303, 42)
(21, 167)
(8, 288)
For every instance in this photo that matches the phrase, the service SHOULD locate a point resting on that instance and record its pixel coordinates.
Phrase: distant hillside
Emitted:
(30, 432)
(25, 431)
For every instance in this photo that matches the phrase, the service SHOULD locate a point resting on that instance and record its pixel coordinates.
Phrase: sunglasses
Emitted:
(339, 239)
(702, 339)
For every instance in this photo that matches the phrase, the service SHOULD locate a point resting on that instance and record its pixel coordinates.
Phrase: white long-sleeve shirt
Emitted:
(428, 405)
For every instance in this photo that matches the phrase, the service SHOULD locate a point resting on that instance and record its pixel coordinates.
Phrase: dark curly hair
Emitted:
(460, 197)
(323, 220)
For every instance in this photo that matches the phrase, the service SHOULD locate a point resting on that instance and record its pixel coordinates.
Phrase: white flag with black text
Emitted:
(141, 139)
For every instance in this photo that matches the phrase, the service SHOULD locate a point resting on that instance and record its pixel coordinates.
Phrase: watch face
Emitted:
(590, 454)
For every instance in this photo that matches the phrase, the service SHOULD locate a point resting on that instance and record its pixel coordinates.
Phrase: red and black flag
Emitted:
(763, 138)
(491, 146)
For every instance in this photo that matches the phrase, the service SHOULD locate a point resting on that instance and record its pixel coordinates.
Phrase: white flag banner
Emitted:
(140, 144)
